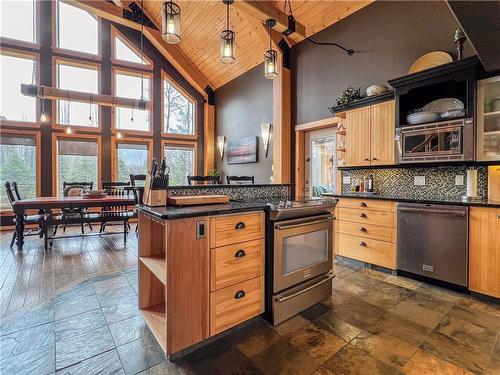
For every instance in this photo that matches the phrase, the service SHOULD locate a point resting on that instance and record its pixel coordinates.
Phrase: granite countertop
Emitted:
(416, 199)
(175, 212)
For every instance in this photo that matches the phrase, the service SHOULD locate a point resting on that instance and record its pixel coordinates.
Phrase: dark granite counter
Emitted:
(417, 199)
(174, 212)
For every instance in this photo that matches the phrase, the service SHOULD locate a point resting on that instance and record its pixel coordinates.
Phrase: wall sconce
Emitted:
(221, 142)
(265, 130)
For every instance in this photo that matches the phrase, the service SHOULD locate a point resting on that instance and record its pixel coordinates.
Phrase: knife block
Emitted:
(153, 198)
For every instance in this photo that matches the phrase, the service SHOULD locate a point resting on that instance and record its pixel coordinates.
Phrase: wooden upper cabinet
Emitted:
(382, 133)
(484, 250)
(358, 137)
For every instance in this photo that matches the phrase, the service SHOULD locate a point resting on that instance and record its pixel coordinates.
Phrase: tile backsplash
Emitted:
(439, 181)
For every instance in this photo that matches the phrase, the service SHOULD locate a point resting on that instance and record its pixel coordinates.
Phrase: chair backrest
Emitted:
(86, 185)
(208, 180)
(115, 188)
(137, 177)
(74, 190)
(12, 192)
(138, 194)
(240, 179)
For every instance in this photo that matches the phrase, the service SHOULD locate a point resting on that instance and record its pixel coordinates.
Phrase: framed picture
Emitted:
(242, 150)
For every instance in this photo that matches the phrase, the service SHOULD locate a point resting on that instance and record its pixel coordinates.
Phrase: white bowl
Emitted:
(423, 117)
(376, 90)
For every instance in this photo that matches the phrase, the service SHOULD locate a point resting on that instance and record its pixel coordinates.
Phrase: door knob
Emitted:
(375, 159)
(367, 159)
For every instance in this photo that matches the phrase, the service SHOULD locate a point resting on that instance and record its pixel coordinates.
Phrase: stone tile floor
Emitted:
(374, 323)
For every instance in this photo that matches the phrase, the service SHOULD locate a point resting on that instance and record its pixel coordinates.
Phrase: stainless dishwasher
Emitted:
(432, 241)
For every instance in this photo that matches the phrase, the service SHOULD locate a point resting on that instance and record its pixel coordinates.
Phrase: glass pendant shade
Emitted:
(271, 64)
(171, 22)
(227, 38)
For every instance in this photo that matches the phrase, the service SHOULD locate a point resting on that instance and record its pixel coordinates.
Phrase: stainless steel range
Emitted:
(299, 254)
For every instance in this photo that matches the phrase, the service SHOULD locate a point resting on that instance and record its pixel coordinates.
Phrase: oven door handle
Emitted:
(280, 299)
(289, 226)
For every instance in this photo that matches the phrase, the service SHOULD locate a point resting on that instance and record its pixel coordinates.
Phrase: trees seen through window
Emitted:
(178, 117)
(180, 160)
(132, 158)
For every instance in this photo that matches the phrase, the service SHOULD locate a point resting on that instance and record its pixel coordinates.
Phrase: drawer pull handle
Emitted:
(362, 229)
(363, 215)
(239, 294)
(375, 159)
(362, 204)
(362, 244)
(366, 159)
(240, 225)
(240, 254)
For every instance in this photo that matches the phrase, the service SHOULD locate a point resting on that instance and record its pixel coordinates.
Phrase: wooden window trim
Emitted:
(24, 55)
(131, 72)
(69, 52)
(166, 77)
(22, 43)
(79, 64)
(114, 149)
(187, 144)
(127, 64)
(38, 155)
(55, 164)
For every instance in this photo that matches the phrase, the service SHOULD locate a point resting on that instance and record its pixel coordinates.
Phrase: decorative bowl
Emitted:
(444, 105)
(422, 117)
(376, 90)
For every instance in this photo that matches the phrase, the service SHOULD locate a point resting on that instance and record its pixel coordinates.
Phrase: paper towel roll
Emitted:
(472, 183)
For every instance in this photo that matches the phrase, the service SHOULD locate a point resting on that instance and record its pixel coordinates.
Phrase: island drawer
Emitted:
(367, 204)
(231, 229)
(375, 232)
(384, 218)
(367, 250)
(233, 264)
(236, 304)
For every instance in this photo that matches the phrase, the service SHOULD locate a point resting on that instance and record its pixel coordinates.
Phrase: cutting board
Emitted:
(494, 182)
(189, 200)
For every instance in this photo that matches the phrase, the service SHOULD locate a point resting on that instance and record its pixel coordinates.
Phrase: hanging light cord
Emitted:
(349, 51)
(270, 33)
(227, 16)
(33, 72)
(142, 49)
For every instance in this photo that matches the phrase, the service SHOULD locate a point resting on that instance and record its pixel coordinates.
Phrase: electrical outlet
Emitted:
(346, 180)
(419, 180)
(459, 179)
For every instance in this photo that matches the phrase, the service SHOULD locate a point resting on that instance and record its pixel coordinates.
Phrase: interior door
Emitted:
(382, 133)
(358, 137)
(320, 162)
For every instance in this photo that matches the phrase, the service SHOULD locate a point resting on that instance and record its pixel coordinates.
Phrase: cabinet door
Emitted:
(484, 251)
(358, 137)
(382, 133)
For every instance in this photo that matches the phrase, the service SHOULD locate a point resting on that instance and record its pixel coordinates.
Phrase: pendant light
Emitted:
(227, 38)
(43, 116)
(271, 56)
(171, 22)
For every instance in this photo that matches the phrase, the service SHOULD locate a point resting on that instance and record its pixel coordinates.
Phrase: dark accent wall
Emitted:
(241, 106)
(388, 36)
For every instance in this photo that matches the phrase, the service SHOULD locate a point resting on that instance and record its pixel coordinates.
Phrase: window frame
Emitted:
(26, 55)
(164, 76)
(131, 72)
(182, 143)
(69, 52)
(128, 140)
(55, 113)
(22, 43)
(55, 156)
(124, 63)
(38, 154)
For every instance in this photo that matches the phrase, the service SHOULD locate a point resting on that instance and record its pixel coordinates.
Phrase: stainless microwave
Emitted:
(436, 142)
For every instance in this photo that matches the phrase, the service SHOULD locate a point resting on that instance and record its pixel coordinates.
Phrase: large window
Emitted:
(124, 51)
(128, 85)
(77, 161)
(79, 77)
(77, 30)
(181, 161)
(17, 20)
(131, 158)
(15, 69)
(178, 115)
(18, 162)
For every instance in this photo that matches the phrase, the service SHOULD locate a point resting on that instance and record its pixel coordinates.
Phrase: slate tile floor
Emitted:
(374, 323)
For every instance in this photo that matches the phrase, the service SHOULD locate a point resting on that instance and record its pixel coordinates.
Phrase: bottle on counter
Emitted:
(357, 185)
(370, 183)
(362, 185)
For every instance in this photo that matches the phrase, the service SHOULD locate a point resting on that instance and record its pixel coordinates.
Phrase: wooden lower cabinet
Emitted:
(484, 250)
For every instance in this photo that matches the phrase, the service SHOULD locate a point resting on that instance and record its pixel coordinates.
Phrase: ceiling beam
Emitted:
(171, 52)
(264, 10)
(262, 32)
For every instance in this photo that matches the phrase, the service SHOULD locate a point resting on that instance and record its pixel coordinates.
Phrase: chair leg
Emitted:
(83, 230)
(64, 229)
(101, 229)
(14, 235)
(90, 226)
(55, 230)
(125, 231)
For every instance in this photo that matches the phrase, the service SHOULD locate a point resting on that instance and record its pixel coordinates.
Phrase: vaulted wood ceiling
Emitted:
(202, 22)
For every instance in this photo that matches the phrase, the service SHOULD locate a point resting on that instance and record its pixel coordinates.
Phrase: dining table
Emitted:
(46, 204)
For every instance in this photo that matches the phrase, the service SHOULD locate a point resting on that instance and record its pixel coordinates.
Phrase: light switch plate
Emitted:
(459, 179)
(346, 180)
(419, 180)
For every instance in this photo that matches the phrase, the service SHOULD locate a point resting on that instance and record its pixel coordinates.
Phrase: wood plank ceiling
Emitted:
(202, 22)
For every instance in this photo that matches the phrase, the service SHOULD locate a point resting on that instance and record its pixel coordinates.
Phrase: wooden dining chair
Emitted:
(203, 180)
(111, 215)
(137, 177)
(240, 179)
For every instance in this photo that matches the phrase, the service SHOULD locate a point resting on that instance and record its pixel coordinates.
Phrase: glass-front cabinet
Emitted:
(488, 119)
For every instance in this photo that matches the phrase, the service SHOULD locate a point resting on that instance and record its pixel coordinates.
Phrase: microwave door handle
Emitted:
(281, 226)
(286, 298)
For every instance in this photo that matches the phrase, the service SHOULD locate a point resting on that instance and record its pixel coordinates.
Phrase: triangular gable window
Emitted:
(125, 51)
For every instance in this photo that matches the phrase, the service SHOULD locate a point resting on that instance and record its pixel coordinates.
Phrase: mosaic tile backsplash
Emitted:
(237, 191)
(439, 181)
